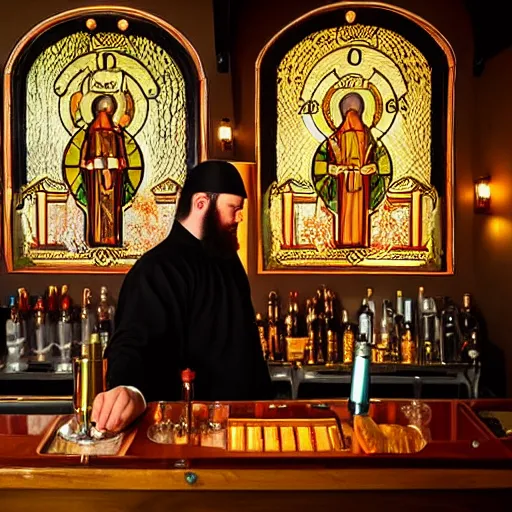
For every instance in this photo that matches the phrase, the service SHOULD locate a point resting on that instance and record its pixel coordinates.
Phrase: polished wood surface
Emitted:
(266, 479)
(463, 456)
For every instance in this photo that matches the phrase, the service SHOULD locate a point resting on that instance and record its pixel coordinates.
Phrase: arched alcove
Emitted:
(355, 143)
(104, 110)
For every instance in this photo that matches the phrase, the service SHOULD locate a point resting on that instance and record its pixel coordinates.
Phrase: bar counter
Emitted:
(462, 467)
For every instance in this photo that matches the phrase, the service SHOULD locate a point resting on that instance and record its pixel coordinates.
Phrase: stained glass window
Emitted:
(106, 118)
(356, 174)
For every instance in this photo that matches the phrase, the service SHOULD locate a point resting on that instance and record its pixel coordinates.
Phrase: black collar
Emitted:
(181, 235)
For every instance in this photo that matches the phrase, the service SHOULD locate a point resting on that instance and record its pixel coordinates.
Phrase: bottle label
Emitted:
(365, 326)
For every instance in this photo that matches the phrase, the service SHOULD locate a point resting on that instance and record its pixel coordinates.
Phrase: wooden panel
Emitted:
(255, 479)
(115, 501)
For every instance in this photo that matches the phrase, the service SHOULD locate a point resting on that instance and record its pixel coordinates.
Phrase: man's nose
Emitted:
(239, 217)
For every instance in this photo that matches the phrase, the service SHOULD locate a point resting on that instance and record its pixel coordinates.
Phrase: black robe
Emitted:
(180, 307)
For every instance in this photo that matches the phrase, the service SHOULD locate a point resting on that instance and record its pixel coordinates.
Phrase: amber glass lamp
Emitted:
(483, 195)
(225, 134)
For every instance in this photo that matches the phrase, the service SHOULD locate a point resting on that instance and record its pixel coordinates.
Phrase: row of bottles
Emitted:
(51, 324)
(425, 330)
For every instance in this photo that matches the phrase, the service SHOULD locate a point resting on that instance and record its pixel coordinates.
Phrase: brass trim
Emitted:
(444, 44)
(7, 135)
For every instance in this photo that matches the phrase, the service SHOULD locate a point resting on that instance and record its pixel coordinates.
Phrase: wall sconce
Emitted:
(483, 195)
(225, 134)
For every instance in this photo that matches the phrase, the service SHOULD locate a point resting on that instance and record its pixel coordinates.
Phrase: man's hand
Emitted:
(117, 408)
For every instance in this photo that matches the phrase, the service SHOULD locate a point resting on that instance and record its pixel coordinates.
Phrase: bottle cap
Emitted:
(188, 375)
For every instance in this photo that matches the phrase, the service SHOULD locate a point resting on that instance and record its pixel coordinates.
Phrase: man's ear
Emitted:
(200, 202)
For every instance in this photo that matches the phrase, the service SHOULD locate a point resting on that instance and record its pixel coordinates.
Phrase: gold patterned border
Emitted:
(449, 214)
(6, 239)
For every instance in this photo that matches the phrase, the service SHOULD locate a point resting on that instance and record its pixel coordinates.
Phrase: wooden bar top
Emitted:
(463, 454)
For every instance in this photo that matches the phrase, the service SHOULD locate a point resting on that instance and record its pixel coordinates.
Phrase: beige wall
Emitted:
(481, 245)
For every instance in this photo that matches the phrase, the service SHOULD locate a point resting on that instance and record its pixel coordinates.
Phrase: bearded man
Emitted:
(187, 304)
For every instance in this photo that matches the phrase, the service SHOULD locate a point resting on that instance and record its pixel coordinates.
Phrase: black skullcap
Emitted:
(216, 176)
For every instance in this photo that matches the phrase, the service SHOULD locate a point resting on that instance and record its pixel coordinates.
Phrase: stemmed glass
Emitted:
(163, 431)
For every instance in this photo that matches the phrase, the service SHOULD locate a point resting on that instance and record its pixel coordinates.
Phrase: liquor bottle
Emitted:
(319, 303)
(292, 318)
(296, 314)
(399, 304)
(332, 348)
(319, 354)
(314, 334)
(359, 400)
(421, 297)
(467, 318)
(407, 342)
(260, 324)
(309, 316)
(15, 338)
(280, 349)
(14, 325)
(366, 320)
(429, 351)
(450, 339)
(23, 302)
(418, 325)
(40, 331)
(371, 304)
(330, 321)
(309, 351)
(65, 301)
(273, 327)
(24, 316)
(87, 319)
(348, 338)
(64, 328)
(383, 349)
(52, 314)
(469, 329)
(398, 327)
(103, 312)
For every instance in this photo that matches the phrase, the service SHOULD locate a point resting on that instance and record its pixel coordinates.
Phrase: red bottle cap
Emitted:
(188, 375)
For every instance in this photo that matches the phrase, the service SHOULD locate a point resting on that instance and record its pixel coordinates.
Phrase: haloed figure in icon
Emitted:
(103, 164)
(351, 173)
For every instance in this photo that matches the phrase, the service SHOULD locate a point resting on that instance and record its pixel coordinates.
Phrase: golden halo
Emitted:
(327, 103)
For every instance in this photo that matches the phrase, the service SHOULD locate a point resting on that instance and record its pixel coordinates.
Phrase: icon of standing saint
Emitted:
(103, 106)
(351, 172)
